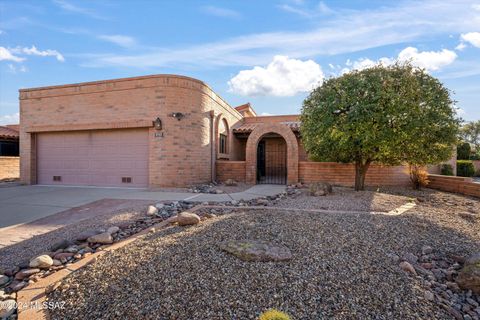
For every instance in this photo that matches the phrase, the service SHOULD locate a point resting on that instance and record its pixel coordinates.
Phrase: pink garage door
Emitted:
(93, 158)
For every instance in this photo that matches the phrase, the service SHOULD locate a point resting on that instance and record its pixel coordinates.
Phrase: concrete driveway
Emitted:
(22, 204)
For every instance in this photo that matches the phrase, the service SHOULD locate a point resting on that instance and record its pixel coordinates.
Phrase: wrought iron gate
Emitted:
(271, 163)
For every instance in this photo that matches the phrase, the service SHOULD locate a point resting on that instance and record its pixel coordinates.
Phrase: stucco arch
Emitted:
(292, 150)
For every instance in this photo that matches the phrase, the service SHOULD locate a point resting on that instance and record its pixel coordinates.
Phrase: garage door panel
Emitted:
(98, 158)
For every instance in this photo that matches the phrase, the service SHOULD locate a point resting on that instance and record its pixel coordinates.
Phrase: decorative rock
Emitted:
(26, 273)
(469, 277)
(103, 238)
(3, 280)
(426, 250)
(218, 191)
(63, 255)
(87, 234)
(255, 250)
(7, 308)
(187, 218)
(210, 215)
(42, 262)
(410, 258)
(113, 230)
(230, 182)
(61, 245)
(320, 189)
(453, 286)
(407, 267)
(152, 210)
(262, 202)
(18, 286)
(428, 295)
(57, 262)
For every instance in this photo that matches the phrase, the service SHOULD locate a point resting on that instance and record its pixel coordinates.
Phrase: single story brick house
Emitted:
(164, 130)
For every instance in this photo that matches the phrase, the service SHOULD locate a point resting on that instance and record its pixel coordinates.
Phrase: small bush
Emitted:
(418, 176)
(475, 156)
(463, 151)
(465, 168)
(273, 314)
(446, 170)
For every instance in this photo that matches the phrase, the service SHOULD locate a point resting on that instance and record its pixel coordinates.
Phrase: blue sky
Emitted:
(268, 53)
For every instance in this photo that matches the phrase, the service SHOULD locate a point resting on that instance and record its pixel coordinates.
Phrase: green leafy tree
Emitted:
(470, 132)
(385, 114)
(463, 151)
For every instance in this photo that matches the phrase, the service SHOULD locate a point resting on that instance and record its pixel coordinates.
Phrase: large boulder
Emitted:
(187, 218)
(469, 276)
(320, 189)
(42, 262)
(257, 250)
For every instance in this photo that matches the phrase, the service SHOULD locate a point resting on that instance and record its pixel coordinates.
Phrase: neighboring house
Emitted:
(9, 145)
(164, 130)
(9, 150)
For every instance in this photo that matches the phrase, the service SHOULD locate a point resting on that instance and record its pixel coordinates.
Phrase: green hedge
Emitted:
(465, 168)
(463, 151)
(446, 170)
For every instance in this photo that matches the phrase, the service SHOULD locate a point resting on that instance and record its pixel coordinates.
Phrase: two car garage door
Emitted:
(117, 158)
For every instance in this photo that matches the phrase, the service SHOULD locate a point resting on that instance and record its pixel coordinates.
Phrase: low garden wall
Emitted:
(230, 170)
(9, 167)
(460, 185)
(344, 174)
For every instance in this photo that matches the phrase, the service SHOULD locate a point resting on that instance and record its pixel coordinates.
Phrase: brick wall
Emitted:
(230, 170)
(9, 167)
(460, 185)
(344, 174)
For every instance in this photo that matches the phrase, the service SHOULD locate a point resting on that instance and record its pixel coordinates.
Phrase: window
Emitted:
(223, 137)
(223, 143)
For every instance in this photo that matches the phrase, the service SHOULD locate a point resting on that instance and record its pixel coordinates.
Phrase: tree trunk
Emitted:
(360, 173)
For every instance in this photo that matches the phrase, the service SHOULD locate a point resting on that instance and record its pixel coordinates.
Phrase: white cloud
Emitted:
(461, 46)
(9, 118)
(14, 69)
(304, 11)
(221, 12)
(266, 114)
(472, 37)
(67, 6)
(45, 53)
(121, 40)
(6, 54)
(430, 60)
(281, 77)
(385, 25)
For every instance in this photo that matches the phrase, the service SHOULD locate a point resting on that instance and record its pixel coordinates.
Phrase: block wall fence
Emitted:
(9, 167)
(460, 185)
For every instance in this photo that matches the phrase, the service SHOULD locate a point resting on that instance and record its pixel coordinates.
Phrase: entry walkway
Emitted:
(22, 204)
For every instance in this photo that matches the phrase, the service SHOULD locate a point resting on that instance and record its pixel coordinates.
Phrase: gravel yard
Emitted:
(347, 199)
(342, 265)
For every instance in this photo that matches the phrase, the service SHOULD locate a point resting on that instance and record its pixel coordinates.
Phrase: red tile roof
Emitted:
(8, 132)
(248, 127)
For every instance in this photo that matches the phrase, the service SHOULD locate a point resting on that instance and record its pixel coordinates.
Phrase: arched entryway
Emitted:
(272, 159)
(281, 139)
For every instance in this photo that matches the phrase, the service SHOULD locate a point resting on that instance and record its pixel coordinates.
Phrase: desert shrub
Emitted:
(418, 176)
(446, 170)
(273, 314)
(463, 151)
(465, 168)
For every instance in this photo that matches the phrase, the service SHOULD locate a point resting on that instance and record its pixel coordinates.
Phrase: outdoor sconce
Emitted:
(178, 115)
(157, 124)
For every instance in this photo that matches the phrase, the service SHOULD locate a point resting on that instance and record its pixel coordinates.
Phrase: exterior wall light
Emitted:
(178, 115)
(157, 124)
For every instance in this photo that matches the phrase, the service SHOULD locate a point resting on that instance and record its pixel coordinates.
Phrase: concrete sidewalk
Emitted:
(22, 204)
